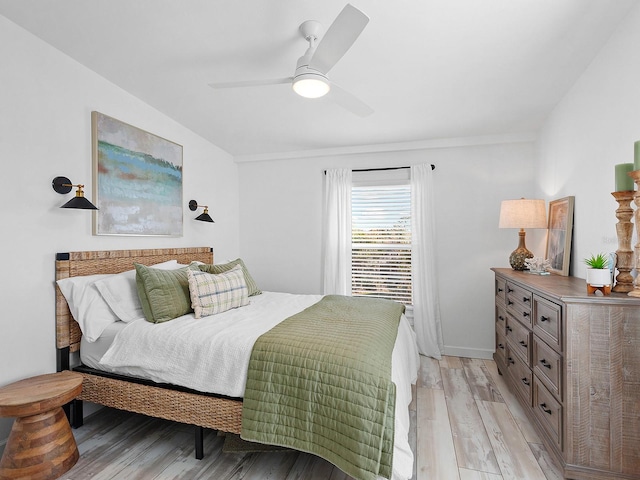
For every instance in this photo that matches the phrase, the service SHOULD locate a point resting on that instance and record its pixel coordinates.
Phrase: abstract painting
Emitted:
(137, 180)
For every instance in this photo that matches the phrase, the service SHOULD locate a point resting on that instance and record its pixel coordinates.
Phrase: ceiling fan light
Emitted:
(309, 85)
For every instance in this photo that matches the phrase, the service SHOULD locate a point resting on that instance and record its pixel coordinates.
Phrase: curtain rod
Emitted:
(433, 167)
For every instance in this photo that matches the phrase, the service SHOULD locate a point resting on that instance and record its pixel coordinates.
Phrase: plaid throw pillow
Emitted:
(211, 294)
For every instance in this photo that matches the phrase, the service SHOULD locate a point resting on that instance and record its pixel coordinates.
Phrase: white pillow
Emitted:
(87, 305)
(121, 294)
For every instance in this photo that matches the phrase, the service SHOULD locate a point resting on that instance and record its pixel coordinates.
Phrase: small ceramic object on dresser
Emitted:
(538, 266)
(598, 274)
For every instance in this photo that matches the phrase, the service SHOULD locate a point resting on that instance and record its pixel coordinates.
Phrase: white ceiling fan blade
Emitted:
(349, 101)
(342, 33)
(251, 83)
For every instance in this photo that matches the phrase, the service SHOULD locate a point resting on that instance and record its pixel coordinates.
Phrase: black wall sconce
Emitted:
(63, 185)
(204, 216)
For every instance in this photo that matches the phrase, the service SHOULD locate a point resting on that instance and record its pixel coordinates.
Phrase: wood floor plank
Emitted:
(435, 451)
(429, 374)
(466, 474)
(530, 435)
(450, 362)
(480, 381)
(271, 466)
(187, 467)
(512, 451)
(548, 466)
(473, 448)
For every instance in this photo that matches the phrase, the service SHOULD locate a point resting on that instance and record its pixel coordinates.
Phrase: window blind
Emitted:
(381, 242)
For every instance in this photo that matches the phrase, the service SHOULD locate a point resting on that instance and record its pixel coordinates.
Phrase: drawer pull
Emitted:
(523, 343)
(544, 319)
(545, 363)
(509, 290)
(509, 328)
(500, 290)
(544, 408)
(511, 360)
(525, 380)
(509, 302)
(501, 318)
(526, 299)
(501, 346)
(525, 314)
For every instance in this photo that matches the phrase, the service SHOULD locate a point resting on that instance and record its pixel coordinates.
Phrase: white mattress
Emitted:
(219, 348)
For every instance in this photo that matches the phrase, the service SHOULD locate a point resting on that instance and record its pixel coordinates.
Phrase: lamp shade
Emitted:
(523, 213)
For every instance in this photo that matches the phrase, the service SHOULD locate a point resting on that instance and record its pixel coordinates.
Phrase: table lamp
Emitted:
(522, 213)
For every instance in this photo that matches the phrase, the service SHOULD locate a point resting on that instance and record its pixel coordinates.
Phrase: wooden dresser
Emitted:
(574, 362)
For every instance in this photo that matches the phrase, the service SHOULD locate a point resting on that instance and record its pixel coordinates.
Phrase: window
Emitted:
(381, 241)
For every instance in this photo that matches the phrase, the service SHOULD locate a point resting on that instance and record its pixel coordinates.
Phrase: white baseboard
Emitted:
(468, 352)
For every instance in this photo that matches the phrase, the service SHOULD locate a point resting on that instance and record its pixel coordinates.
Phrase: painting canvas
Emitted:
(559, 235)
(137, 180)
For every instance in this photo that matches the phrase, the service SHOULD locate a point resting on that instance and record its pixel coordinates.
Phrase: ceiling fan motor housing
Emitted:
(308, 82)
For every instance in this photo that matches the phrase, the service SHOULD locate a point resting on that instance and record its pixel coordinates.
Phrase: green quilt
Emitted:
(320, 382)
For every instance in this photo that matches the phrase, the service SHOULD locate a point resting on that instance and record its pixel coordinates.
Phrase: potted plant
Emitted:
(598, 274)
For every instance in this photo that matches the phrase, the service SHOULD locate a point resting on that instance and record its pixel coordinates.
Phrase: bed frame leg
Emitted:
(199, 442)
(77, 417)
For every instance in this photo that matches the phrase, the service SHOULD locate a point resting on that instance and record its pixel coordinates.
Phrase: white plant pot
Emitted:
(598, 277)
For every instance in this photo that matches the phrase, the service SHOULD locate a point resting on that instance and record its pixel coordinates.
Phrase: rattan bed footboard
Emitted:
(190, 407)
(193, 408)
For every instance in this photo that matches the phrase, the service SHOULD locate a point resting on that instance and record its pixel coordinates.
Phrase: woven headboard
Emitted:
(73, 264)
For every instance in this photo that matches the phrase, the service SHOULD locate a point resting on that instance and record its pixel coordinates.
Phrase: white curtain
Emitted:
(426, 306)
(337, 231)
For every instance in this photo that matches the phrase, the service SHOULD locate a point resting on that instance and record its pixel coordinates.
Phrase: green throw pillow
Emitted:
(225, 267)
(164, 294)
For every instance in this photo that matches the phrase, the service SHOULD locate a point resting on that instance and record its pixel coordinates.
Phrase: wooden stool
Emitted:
(40, 445)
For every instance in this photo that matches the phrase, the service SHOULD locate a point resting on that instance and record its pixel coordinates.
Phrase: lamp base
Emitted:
(517, 258)
(520, 254)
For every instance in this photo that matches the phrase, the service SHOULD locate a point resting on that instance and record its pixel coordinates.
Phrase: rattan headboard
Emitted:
(73, 264)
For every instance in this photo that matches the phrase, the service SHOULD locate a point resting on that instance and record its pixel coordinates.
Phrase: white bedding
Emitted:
(219, 348)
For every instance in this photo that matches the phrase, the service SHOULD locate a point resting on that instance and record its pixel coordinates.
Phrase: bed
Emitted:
(150, 396)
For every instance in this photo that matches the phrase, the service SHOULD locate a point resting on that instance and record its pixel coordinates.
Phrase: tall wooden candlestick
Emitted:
(624, 229)
(636, 199)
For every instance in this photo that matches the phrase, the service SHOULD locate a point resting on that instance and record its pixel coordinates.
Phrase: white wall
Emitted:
(46, 101)
(281, 226)
(592, 129)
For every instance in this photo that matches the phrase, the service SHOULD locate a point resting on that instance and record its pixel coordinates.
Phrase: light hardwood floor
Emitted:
(465, 426)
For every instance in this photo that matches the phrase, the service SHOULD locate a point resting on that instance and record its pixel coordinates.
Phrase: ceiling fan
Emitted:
(310, 79)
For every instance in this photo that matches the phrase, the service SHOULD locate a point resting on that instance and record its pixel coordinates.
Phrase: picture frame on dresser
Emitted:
(560, 228)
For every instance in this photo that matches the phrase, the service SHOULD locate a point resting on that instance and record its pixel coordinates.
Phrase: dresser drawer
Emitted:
(501, 348)
(547, 322)
(548, 410)
(500, 290)
(517, 294)
(519, 338)
(547, 365)
(520, 375)
(519, 303)
(501, 318)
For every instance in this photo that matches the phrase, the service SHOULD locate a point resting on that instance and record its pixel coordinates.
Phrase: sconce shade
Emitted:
(63, 185)
(204, 216)
(522, 213)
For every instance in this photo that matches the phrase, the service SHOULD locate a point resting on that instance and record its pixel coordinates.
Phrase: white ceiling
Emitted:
(431, 69)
